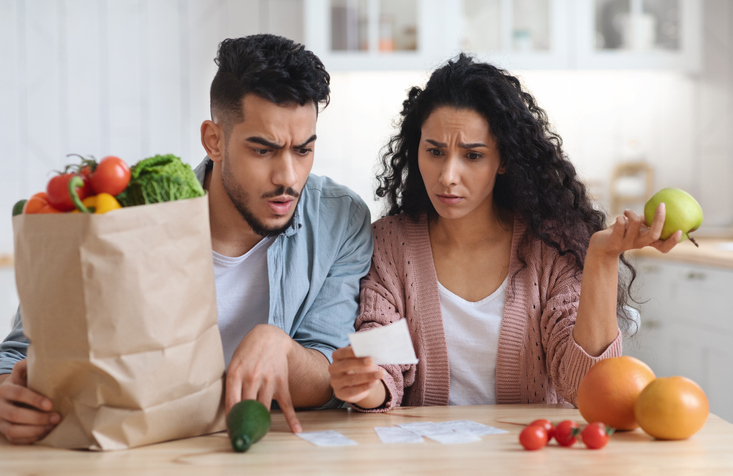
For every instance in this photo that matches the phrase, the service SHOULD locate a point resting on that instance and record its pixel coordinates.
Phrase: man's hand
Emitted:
(25, 416)
(259, 371)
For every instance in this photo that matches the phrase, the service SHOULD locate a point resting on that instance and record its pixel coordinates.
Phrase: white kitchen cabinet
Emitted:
(638, 34)
(513, 34)
(687, 326)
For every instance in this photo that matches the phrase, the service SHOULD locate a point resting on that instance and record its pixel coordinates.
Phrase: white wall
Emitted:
(131, 78)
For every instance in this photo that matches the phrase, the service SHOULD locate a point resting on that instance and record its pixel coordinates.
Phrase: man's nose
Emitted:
(285, 174)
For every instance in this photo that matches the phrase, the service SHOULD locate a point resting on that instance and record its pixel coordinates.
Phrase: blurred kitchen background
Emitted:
(641, 91)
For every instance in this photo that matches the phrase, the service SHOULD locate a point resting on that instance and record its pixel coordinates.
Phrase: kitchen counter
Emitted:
(712, 252)
(281, 452)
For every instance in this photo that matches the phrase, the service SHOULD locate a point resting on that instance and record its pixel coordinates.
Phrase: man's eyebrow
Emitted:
(272, 145)
(302, 146)
(472, 145)
(266, 143)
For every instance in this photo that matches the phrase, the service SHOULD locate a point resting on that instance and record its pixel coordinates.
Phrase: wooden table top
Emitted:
(280, 452)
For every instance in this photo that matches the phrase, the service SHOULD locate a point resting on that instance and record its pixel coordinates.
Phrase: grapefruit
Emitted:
(672, 408)
(608, 391)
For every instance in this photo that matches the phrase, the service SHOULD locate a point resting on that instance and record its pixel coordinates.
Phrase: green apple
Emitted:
(683, 212)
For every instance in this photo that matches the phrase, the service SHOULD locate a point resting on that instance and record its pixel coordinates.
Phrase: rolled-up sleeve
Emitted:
(568, 362)
(330, 318)
(15, 346)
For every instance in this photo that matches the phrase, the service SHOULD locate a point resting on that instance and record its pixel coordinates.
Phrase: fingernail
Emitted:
(298, 429)
(55, 418)
(47, 405)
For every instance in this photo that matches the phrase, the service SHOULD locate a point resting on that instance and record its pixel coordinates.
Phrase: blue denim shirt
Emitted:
(314, 269)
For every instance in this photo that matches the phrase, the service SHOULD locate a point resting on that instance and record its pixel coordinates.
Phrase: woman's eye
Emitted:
(473, 155)
(434, 152)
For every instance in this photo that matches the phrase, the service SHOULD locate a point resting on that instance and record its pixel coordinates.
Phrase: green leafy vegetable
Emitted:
(162, 178)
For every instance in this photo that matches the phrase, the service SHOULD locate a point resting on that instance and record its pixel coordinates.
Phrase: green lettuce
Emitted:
(162, 178)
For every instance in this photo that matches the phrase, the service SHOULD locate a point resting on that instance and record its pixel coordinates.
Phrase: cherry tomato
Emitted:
(566, 432)
(596, 435)
(547, 425)
(111, 176)
(58, 192)
(533, 437)
(37, 204)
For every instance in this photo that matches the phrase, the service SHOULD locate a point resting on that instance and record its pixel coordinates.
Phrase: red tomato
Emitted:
(596, 435)
(566, 432)
(547, 425)
(533, 437)
(38, 203)
(111, 176)
(58, 192)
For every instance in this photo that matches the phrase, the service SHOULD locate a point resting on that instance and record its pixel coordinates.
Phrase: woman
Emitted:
(491, 251)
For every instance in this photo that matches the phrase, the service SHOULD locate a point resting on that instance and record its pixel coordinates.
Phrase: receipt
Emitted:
(390, 344)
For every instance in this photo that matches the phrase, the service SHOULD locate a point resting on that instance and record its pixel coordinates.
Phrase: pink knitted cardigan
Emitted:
(538, 360)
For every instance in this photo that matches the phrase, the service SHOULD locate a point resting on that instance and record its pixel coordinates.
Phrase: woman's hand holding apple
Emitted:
(630, 231)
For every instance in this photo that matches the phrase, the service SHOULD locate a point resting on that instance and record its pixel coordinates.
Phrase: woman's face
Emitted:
(459, 161)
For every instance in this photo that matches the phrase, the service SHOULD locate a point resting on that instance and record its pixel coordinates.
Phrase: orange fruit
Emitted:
(608, 391)
(672, 408)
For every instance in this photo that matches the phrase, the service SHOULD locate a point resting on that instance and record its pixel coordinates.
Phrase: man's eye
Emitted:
(261, 151)
(304, 151)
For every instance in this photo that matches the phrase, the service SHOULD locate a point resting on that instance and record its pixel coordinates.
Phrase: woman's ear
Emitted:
(212, 138)
(502, 169)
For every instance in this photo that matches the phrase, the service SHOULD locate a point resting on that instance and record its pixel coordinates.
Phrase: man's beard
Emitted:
(240, 198)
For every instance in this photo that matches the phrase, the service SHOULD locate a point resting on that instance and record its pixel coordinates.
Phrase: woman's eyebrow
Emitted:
(473, 145)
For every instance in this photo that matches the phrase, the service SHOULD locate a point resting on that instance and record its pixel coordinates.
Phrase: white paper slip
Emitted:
(453, 437)
(395, 434)
(327, 438)
(422, 428)
(390, 344)
(471, 427)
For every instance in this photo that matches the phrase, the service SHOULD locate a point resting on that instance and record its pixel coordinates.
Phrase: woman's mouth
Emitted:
(449, 199)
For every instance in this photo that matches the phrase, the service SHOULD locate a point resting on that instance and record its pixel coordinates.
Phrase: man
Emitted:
(289, 248)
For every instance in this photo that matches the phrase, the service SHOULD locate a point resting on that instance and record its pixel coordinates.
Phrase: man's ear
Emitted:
(212, 138)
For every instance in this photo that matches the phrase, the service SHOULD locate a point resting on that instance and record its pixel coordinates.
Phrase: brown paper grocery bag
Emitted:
(120, 310)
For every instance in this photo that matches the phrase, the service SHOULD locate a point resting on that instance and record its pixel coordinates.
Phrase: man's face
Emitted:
(267, 159)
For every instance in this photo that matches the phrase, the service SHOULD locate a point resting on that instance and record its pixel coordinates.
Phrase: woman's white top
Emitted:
(472, 335)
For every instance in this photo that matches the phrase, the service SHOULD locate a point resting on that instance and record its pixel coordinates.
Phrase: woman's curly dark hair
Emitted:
(539, 186)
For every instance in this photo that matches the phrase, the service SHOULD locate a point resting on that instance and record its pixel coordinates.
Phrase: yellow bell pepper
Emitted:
(98, 204)
(101, 203)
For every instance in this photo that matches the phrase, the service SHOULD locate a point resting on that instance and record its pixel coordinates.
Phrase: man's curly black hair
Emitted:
(540, 185)
(272, 67)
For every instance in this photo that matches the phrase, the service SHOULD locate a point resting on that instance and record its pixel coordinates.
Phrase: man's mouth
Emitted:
(281, 205)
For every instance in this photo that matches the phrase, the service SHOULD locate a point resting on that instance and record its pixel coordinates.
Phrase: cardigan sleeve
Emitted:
(566, 360)
(382, 303)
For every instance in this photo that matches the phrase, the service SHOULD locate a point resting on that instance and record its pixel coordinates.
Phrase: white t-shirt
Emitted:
(472, 335)
(242, 294)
